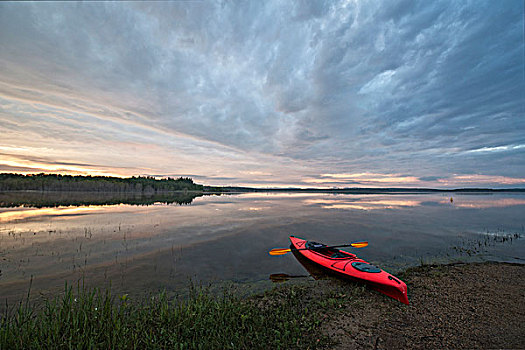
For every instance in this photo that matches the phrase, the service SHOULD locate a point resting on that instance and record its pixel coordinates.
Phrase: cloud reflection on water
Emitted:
(362, 204)
(373, 202)
(481, 203)
(10, 215)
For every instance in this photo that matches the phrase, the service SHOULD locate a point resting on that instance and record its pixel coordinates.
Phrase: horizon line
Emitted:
(291, 188)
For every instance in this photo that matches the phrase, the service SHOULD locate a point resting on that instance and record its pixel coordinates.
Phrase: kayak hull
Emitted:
(349, 266)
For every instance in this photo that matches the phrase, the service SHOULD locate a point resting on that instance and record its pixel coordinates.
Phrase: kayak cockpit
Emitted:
(327, 252)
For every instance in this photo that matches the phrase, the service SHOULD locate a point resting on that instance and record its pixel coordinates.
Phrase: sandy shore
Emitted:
(460, 306)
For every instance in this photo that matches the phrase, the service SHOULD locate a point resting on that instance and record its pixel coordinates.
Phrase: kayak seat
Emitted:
(314, 245)
(339, 255)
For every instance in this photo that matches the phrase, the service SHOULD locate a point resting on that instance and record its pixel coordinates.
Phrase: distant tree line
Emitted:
(57, 182)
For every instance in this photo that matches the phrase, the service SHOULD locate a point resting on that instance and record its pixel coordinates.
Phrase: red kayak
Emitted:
(350, 266)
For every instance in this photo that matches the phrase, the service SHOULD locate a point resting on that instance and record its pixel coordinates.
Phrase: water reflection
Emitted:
(55, 199)
(142, 248)
(283, 277)
(380, 202)
(314, 270)
(22, 213)
(362, 204)
(480, 203)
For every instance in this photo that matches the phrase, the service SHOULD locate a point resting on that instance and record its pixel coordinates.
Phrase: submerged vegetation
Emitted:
(480, 244)
(96, 319)
(57, 182)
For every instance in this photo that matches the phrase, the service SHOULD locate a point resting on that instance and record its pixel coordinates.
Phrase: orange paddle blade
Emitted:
(359, 244)
(279, 251)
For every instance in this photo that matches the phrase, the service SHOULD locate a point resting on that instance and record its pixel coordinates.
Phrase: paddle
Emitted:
(282, 251)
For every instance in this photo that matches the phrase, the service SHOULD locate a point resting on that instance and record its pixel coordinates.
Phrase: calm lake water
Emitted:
(212, 239)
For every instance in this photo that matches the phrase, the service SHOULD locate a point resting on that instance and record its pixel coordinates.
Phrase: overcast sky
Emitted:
(267, 93)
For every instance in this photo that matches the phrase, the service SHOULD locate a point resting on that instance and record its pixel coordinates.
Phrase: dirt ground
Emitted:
(460, 306)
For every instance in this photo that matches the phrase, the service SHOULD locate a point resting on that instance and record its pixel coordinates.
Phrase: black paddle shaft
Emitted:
(324, 247)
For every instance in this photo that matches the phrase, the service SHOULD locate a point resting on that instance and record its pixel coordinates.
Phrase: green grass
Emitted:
(87, 319)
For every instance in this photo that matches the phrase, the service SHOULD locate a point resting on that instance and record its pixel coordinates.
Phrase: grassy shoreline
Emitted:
(94, 318)
(329, 313)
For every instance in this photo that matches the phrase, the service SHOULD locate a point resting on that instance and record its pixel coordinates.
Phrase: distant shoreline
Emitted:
(364, 190)
(147, 185)
(56, 198)
(240, 190)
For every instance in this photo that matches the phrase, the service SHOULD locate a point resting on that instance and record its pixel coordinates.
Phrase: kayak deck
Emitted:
(350, 266)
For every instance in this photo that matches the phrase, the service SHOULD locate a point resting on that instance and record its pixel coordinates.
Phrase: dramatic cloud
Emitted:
(271, 93)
